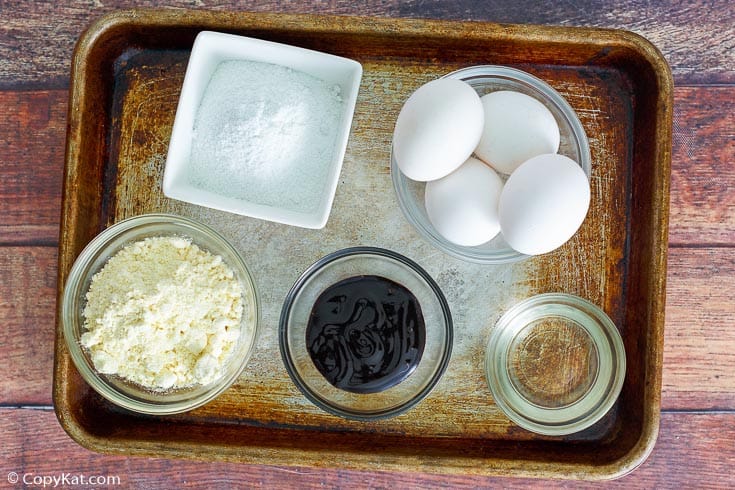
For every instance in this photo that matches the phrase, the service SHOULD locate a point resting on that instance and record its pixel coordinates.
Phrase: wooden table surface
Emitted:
(696, 445)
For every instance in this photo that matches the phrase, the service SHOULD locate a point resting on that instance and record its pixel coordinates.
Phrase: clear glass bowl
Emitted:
(486, 79)
(91, 260)
(555, 363)
(353, 262)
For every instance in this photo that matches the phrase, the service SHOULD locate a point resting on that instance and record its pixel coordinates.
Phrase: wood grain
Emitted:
(33, 129)
(27, 306)
(692, 450)
(697, 37)
(699, 338)
(703, 174)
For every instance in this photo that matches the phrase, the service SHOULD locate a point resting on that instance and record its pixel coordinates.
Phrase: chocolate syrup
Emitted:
(366, 334)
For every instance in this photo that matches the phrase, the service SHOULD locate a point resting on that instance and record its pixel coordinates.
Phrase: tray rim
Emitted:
(314, 24)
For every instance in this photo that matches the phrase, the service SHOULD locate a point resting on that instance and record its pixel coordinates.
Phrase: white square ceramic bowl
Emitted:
(208, 51)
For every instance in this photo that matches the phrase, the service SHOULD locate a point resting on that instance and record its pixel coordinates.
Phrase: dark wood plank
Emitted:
(37, 51)
(702, 174)
(27, 307)
(697, 38)
(692, 449)
(33, 129)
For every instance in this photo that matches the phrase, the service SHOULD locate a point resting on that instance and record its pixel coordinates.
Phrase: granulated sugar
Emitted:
(266, 134)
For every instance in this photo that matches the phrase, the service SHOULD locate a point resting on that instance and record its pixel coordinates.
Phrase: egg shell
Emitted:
(463, 206)
(437, 129)
(543, 204)
(517, 128)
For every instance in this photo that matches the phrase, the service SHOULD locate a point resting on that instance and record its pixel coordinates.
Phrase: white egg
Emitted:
(543, 204)
(517, 127)
(463, 206)
(437, 129)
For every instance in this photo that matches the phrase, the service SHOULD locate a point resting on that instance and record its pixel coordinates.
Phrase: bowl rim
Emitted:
(537, 85)
(76, 277)
(303, 387)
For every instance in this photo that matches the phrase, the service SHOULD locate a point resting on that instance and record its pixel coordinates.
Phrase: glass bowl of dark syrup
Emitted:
(365, 333)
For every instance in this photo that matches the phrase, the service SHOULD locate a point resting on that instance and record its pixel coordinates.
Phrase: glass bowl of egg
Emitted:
(159, 313)
(491, 165)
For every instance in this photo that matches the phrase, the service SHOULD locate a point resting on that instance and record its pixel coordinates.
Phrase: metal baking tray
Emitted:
(127, 72)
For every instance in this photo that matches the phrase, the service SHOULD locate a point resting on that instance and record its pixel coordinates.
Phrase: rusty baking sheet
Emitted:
(126, 76)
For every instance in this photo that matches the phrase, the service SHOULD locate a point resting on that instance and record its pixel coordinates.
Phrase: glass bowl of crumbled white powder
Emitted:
(160, 314)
